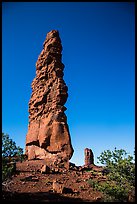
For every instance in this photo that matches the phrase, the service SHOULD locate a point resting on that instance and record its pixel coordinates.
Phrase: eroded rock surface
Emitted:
(48, 134)
(89, 157)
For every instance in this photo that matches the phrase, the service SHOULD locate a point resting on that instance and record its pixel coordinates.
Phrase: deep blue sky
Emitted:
(98, 42)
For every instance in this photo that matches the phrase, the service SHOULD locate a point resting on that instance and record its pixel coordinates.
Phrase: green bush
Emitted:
(10, 152)
(120, 177)
(9, 148)
(7, 170)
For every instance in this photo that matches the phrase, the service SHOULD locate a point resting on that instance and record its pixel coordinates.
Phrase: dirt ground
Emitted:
(29, 184)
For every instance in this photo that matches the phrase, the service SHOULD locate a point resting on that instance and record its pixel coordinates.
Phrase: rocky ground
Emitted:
(29, 184)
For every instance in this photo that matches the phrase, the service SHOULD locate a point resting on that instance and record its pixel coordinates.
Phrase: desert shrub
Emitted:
(7, 170)
(120, 168)
(9, 152)
(9, 148)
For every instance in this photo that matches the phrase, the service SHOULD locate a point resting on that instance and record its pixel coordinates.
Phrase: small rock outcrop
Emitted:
(48, 134)
(89, 157)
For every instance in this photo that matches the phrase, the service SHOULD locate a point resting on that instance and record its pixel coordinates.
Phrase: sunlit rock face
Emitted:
(89, 157)
(48, 134)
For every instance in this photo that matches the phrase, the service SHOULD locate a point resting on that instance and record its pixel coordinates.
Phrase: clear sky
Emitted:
(98, 42)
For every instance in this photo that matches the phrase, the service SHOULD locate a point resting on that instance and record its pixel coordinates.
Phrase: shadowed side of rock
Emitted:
(48, 134)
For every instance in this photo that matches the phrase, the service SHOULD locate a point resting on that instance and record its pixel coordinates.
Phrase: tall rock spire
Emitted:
(48, 134)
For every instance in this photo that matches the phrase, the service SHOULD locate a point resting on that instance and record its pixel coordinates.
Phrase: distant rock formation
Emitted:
(48, 134)
(89, 157)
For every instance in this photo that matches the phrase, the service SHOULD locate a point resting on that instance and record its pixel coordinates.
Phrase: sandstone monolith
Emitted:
(89, 157)
(48, 134)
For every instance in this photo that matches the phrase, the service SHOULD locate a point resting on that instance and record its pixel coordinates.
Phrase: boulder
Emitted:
(45, 169)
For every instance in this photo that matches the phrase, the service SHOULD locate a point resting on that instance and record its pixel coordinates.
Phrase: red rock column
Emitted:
(89, 157)
(48, 134)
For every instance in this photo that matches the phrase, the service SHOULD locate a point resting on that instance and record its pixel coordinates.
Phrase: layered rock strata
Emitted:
(48, 134)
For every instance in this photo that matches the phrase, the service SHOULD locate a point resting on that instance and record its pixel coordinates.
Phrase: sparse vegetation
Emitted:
(10, 153)
(116, 180)
(120, 183)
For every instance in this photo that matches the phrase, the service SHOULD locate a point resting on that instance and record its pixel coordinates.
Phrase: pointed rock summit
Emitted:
(48, 134)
